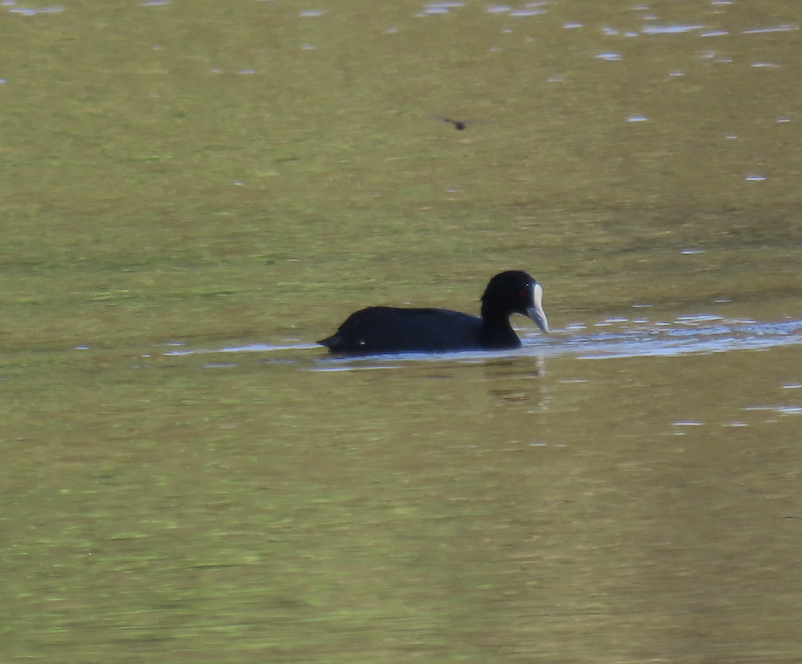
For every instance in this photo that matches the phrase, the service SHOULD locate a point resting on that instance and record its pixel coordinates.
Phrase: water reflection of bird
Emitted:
(458, 124)
(377, 330)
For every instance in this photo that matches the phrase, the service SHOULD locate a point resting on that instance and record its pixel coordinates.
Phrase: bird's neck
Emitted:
(497, 331)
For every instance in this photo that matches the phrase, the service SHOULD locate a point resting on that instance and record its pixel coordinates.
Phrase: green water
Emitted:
(272, 506)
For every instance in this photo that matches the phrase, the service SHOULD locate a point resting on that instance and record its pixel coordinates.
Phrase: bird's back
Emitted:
(392, 330)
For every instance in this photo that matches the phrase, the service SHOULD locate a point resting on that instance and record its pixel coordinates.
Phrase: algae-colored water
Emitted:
(193, 193)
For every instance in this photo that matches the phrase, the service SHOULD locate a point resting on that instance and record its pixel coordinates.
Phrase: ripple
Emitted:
(694, 337)
(527, 12)
(441, 7)
(695, 320)
(780, 410)
(33, 11)
(776, 28)
(669, 29)
(250, 348)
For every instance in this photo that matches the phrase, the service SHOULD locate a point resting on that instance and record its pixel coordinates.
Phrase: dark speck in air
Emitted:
(459, 125)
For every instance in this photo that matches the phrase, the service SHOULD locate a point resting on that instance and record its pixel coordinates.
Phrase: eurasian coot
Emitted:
(378, 330)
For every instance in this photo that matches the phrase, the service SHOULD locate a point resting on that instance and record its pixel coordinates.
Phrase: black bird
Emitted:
(377, 330)
(460, 125)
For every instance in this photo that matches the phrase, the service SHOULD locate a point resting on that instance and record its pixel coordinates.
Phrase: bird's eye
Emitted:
(522, 293)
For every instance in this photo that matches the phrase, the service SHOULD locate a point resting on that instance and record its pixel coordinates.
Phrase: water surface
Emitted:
(193, 193)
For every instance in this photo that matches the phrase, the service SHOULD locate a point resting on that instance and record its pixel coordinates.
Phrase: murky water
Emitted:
(193, 193)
